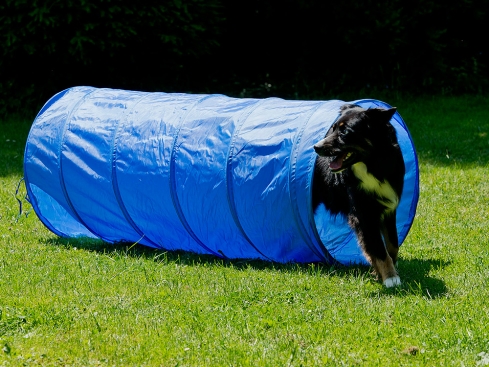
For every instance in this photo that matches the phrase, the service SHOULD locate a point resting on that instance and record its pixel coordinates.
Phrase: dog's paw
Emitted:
(392, 282)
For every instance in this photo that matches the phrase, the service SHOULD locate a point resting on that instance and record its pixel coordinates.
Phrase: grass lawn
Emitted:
(83, 303)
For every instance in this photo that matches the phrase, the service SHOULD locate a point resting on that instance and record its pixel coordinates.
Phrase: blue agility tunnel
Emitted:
(208, 174)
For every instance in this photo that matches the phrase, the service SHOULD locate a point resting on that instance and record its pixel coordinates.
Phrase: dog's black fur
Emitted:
(359, 173)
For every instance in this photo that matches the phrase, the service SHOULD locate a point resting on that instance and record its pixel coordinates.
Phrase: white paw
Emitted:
(392, 282)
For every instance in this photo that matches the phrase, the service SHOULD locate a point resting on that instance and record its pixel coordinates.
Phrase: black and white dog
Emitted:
(359, 173)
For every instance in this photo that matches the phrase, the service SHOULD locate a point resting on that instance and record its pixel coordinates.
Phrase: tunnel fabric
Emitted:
(208, 174)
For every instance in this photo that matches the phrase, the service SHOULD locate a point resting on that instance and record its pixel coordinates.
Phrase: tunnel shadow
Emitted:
(414, 272)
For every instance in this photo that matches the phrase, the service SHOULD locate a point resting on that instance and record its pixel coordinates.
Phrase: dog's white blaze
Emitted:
(370, 183)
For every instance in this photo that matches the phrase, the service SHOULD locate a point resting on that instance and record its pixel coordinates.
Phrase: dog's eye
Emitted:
(340, 127)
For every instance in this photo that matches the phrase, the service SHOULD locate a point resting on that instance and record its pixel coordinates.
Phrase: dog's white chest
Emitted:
(385, 192)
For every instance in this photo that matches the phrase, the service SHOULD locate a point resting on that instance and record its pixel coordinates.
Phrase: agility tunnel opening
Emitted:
(208, 174)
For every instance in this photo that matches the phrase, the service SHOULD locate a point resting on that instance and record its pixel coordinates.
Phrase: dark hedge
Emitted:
(316, 45)
(50, 45)
(289, 48)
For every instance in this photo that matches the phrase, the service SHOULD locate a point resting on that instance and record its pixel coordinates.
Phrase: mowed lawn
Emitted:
(87, 303)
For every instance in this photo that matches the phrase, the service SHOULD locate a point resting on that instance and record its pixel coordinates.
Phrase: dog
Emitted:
(359, 173)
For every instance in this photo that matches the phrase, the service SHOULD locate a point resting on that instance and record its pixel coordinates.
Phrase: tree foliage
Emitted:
(397, 44)
(48, 45)
(290, 48)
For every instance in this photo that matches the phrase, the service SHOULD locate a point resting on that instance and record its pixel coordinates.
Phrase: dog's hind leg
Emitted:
(370, 239)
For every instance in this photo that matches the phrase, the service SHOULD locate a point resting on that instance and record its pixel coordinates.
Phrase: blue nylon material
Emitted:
(202, 173)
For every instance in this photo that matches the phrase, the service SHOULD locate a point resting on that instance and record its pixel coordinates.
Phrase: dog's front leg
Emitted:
(389, 231)
(370, 240)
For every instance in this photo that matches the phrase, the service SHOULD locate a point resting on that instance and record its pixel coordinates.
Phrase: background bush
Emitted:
(398, 44)
(50, 45)
(287, 48)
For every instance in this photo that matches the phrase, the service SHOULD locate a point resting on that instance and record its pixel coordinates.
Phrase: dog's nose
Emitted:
(319, 149)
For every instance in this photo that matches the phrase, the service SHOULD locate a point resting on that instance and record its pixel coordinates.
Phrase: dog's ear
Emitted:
(348, 106)
(381, 113)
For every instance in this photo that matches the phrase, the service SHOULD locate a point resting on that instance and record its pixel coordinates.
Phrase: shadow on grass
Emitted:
(416, 279)
(414, 272)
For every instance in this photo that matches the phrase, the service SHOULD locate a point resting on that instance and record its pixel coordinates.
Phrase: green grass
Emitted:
(83, 303)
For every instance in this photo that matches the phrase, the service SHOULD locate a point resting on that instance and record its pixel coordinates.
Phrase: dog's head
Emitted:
(355, 135)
